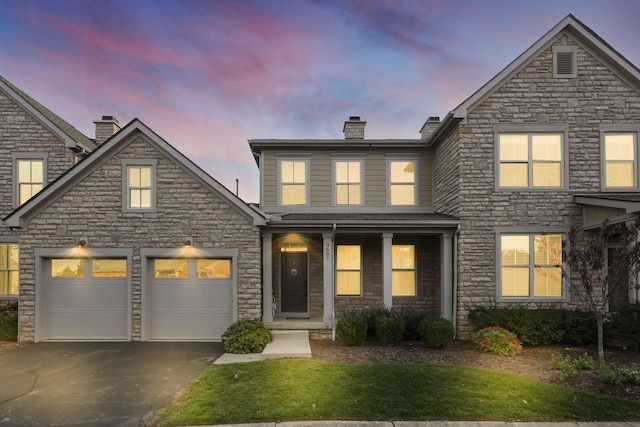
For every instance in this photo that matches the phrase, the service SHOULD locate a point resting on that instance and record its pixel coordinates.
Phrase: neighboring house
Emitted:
(472, 214)
(36, 147)
(135, 242)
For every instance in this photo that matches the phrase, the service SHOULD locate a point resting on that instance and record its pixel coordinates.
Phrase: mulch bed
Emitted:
(533, 362)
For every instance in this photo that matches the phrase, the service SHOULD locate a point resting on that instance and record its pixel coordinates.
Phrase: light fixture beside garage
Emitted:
(188, 243)
(82, 243)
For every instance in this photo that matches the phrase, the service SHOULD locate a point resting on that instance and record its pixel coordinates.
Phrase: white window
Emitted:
(139, 186)
(531, 160)
(402, 182)
(403, 270)
(348, 270)
(348, 179)
(9, 267)
(620, 160)
(29, 175)
(530, 265)
(293, 181)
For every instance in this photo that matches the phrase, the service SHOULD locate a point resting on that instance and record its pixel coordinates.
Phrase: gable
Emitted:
(100, 178)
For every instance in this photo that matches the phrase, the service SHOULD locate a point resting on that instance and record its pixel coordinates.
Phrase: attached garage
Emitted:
(190, 299)
(86, 299)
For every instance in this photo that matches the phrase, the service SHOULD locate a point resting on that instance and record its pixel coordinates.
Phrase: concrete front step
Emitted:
(288, 344)
(290, 335)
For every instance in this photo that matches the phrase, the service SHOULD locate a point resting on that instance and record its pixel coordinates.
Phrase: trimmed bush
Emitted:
(410, 316)
(436, 332)
(625, 326)
(246, 336)
(352, 329)
(8, 326)
(372, 314)
(389, 330)
(497, 340)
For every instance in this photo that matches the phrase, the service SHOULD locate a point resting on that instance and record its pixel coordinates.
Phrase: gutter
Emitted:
(455, 281)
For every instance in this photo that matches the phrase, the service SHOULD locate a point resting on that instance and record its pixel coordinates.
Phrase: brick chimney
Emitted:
(429, 126)
(106, 128)
(354, 128)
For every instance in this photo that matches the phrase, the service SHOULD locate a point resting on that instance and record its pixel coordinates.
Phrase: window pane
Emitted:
(4, 256)
(134, 177)
(134, 198)
(348, 257)
(4, 283)
(145, 198)
(515, 282)
(342, 172)
(514, 147)
(547, 282)
(348, 282)
(293, 194)
(67, 268)
(13, 283)
(145, 176)
(109, 267)
(403, 257)
(354, 194)
(620, 174)
(515, 250)
(37, 171)
(548, 249)
(546, 147)
(299, 174)
(170, 268)
(619, 147)
(402, 171)
(514, 175)
(342, 194)
(402, 194)
(547, 174)
(354, 171)
(213, 268)
(403, 283)
(24, 171)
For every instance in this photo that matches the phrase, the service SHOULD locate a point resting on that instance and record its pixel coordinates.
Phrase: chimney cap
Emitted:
(354, 118)
(108, 119)
(433, 119)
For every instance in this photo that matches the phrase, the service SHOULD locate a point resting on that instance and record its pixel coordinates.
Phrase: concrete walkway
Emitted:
(284, 344)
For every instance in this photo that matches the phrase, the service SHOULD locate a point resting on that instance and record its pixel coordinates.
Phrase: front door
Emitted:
(293, 295)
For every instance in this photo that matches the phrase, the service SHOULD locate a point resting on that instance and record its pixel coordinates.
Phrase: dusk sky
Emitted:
(209, 75)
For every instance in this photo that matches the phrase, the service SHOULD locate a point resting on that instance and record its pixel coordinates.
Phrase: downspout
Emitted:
(455, 281)
(333, 291)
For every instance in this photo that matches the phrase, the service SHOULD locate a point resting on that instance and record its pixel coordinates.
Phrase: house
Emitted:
(474, 212)
(135, 242)
(127, 239)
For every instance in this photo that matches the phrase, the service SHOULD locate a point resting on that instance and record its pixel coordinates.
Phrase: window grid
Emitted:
(531, 160)
(30, 178)
(402, 182)
(293, 182)
(348, 180)
(140, 187)
(9, 268)
(403, 270)
(620, 164)
(348, 270)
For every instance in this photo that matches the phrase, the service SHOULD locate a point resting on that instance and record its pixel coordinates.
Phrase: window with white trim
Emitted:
(402, 182)
(9, 268)
(348, 270)
(292, 175)
(29, 177)
(403, 270)
(620, 152)
(530, 265)
(139, 186)
(530, 160)
(348, 179)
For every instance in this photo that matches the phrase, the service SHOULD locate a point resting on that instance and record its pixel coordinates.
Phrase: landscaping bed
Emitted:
(533, 362)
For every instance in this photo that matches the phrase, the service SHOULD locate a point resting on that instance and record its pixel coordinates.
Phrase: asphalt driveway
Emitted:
(96, 384)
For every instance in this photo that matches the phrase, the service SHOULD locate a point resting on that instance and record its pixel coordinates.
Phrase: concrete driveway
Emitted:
(96, 384)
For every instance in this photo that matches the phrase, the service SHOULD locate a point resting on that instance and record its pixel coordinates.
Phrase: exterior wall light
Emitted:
(81, 244)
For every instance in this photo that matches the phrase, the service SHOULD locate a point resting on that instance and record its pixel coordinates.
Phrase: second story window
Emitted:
(402, 182)
(530, 160)
(348, 182)
(29, 178)
(620, 161)
(293, 181)
(139, 186)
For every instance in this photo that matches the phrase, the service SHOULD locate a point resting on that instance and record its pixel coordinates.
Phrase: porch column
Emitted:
(327, 268)
(446, 281)
(387, 296)
(267, 278)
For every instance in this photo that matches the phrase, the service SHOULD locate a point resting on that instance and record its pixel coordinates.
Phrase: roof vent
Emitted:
(565, 61)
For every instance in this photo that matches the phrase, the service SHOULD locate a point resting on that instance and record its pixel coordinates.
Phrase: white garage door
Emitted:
(191, 299)
(87, 299)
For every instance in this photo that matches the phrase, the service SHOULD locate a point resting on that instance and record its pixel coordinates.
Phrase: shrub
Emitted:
(498, 341)
(352, 329)
(568, 367)
(625, 325)
(436, 332)
(539, 326)
(389, 329)
(246, 336)
(372, 314)
(614, 374)
(410, 316)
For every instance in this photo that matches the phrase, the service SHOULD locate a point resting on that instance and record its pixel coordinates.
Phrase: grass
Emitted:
(307, 389)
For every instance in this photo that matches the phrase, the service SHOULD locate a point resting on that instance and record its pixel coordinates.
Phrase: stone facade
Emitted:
(466, 187)
(185, 207)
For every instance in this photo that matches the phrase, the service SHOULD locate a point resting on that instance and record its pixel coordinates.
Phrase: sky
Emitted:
(209, 75)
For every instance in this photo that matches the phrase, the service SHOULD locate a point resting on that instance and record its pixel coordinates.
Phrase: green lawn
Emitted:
(307, 389)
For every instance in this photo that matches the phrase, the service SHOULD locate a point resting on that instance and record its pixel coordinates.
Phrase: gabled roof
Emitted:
(108, 149)
(571, 26)
(73, 139)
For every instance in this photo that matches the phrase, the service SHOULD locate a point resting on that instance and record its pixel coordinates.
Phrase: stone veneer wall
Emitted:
(532, 96)
(93, 209)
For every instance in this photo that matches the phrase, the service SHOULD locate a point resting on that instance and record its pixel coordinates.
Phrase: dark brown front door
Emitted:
(294, 283)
